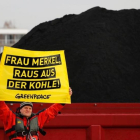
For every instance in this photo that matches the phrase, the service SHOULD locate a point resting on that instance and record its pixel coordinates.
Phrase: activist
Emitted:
(25, 125)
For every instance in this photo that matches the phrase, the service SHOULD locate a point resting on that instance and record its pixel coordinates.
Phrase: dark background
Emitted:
(102, 49)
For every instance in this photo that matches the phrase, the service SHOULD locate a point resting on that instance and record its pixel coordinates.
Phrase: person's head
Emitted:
(26, 109)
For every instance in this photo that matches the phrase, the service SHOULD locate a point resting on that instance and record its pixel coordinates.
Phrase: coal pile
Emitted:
(102, 49)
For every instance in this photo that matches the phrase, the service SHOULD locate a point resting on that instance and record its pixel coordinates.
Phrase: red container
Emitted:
(91, 121)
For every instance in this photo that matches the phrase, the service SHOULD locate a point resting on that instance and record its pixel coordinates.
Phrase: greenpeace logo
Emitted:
(32, 96)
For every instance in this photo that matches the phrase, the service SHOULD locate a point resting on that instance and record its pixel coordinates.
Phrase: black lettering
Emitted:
(38, 96)
(25, 96)
(48, 96)
(35, 96)
(13, 60)
(17, 96)
(15, 84)
(34, 73)
(52, 60)
(32, 96)
(22, 96)
(45, 96)
(33, 85)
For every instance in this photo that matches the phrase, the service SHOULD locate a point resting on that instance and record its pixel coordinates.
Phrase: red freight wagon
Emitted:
(90, 121)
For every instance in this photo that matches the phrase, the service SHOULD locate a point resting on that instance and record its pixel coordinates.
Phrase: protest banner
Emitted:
(34, 76)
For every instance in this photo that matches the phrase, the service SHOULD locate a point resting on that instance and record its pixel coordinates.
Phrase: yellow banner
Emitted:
(33, 76)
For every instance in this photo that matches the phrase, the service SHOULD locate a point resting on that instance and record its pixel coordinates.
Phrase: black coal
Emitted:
(102, 49)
